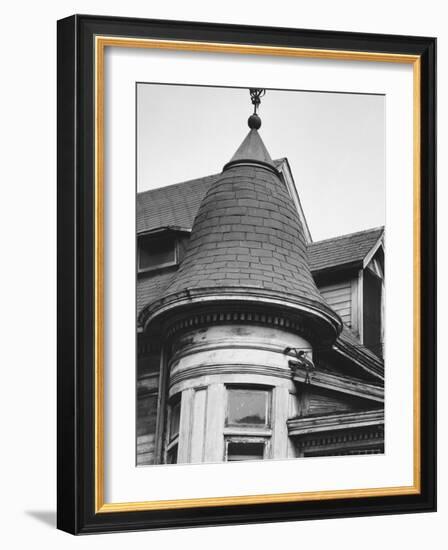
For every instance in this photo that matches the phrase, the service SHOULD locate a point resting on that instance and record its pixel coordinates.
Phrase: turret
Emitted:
(242, 294)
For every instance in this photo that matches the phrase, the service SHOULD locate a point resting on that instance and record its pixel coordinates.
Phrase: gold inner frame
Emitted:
(101, 42)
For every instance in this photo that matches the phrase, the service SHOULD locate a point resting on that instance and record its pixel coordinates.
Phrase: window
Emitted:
(247, 432)
(155, 252)
(248, 407)
(173, 427)
(239, 450)
(171, 455)
(174, 419)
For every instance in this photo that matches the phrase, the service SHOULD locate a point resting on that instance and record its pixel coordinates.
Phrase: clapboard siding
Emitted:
(321, 401)
(339, 297)
(321, 404)
(145, 449)
(147, 396)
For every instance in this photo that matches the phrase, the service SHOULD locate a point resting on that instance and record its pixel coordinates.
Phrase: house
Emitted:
(253, 341)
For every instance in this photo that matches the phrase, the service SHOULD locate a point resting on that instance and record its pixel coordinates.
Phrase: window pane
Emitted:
(156, 251)
(174, 420)
(238, 451)
(247, 407)
(171, 457)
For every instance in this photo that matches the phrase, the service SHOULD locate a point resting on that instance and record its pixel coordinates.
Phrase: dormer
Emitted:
(349, 272)
(160, 249)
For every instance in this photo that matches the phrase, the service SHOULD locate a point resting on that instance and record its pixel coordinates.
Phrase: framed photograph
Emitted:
(246, 274)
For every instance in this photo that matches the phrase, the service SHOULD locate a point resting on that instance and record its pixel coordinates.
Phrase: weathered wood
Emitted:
(186, 418)
(339, 297)
(145, 449)
(198, 425)
(280, 406)
(146, 422)
(214, 443)
(329, 422)
(354, 314)
(148, 383)
(324, 403)
(342, 384)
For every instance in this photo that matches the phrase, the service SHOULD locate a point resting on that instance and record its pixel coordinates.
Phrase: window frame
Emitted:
(174, 403)
(164, 265)
(249, 433)
(172, 441)
(267, 427)
(265, 441)
(173, 447)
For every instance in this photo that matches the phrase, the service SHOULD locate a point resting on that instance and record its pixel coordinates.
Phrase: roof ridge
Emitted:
(371, 230)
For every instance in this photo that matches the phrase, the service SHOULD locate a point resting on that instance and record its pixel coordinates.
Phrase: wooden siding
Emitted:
(339, 297)
(147, 394)
(325, 403)
(372, 333)
(319, 401)
(146, 428)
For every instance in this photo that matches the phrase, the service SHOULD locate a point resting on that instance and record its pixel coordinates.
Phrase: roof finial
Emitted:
(254, 120)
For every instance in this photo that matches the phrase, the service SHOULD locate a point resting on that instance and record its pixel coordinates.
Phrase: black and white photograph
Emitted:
(235, 345)
(260, 274)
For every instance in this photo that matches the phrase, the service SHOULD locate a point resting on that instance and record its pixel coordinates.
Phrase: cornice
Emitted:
(324, 325)
(338, 421)
(236, 315)
(350, 439)
(219, 369)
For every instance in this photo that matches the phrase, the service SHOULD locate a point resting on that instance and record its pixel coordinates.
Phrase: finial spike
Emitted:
(255, 96)
(254, 120)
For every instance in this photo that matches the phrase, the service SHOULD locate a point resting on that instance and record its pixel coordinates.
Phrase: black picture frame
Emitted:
(76, 255)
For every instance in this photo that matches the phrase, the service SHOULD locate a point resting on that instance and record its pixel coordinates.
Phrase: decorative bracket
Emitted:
(301, 362)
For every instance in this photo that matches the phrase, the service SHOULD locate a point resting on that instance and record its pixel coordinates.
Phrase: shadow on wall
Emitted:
(48, 517)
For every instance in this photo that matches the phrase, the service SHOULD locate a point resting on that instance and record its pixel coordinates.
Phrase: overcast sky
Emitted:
(334, 144)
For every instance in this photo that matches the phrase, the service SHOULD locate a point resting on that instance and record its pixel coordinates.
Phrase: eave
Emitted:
(163, 229)
(338, 421)
(341, 384)
(363, 359)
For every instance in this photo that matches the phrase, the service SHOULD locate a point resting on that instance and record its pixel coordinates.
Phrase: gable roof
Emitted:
(343, 250)
(172, 206)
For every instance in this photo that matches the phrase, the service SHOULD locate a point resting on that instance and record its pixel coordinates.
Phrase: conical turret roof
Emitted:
(252, 150)
(247, 243)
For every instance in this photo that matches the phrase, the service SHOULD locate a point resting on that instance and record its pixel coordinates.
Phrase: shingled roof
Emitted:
(177, 205)
(151, 288)
(247, 233)
(343, 250)
(174, 205)
(248, 243)
(329, 253)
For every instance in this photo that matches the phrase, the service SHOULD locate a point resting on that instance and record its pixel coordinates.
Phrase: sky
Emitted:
(334, 143)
